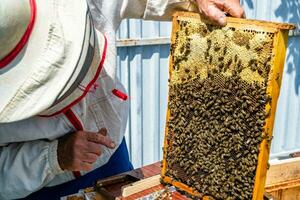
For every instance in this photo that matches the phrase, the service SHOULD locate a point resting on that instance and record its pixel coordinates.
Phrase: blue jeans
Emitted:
(118, 163)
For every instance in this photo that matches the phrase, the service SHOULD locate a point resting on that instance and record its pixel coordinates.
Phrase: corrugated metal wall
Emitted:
(144, 72)
(143, 68)
(287, 123)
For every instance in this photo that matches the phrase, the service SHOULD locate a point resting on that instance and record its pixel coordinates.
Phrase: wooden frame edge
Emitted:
(273, 89)
(242, 21)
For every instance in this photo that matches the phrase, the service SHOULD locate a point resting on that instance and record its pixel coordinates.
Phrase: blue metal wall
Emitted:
(144, 72)
(287, 123)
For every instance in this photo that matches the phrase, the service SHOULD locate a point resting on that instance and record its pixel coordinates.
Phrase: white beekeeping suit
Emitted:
(108, 15)
(28, 147)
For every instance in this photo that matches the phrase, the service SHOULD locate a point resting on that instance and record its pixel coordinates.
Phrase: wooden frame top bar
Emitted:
(231, 20)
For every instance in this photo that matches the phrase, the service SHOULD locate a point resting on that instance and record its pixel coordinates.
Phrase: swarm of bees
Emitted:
(217, 120)
(218, 133)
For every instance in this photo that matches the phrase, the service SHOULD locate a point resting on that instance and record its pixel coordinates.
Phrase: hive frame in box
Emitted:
(280, 31)
(283, 178)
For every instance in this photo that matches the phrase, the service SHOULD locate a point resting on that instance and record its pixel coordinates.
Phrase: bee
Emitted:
(186, 31)
(224, 50)
(182, 49)
(210, 59)
(260, 71)
(258, 49)
(208, 44)
(221, 65)
(183, 23)
(269, 99)
(187, 51)
(253, 64)
(186, 70)
(235, 58)
(239, 67)
(228, 64)
(247, 46)
(217, 48)
(196, 71)
(269, 59)
(269, 139)
(239, 64)
(221, 59)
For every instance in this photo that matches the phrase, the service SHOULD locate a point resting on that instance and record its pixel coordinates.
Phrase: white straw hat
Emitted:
(47, 47)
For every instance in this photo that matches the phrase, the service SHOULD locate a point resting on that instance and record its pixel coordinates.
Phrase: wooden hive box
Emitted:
(223, 91)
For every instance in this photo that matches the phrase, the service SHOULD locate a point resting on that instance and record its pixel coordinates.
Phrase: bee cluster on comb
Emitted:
(219, 103)
(218, 133)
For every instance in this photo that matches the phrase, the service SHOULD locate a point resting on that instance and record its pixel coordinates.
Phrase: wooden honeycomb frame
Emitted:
(280, 31)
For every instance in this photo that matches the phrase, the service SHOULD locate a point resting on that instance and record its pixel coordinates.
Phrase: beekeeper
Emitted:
(63, 112)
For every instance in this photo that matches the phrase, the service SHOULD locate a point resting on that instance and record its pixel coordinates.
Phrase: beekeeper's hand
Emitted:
(78, 151)
(214, 10)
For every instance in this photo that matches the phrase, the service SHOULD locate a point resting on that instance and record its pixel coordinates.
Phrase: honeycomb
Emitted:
(219, 103)
(200, 48)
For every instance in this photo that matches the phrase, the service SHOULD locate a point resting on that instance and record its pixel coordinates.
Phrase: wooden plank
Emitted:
(283, 179)
(237, 22)
(274, 83)
(287, 194)
(283, 174)
(142, 42)
(144, 193)
(141, 185)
